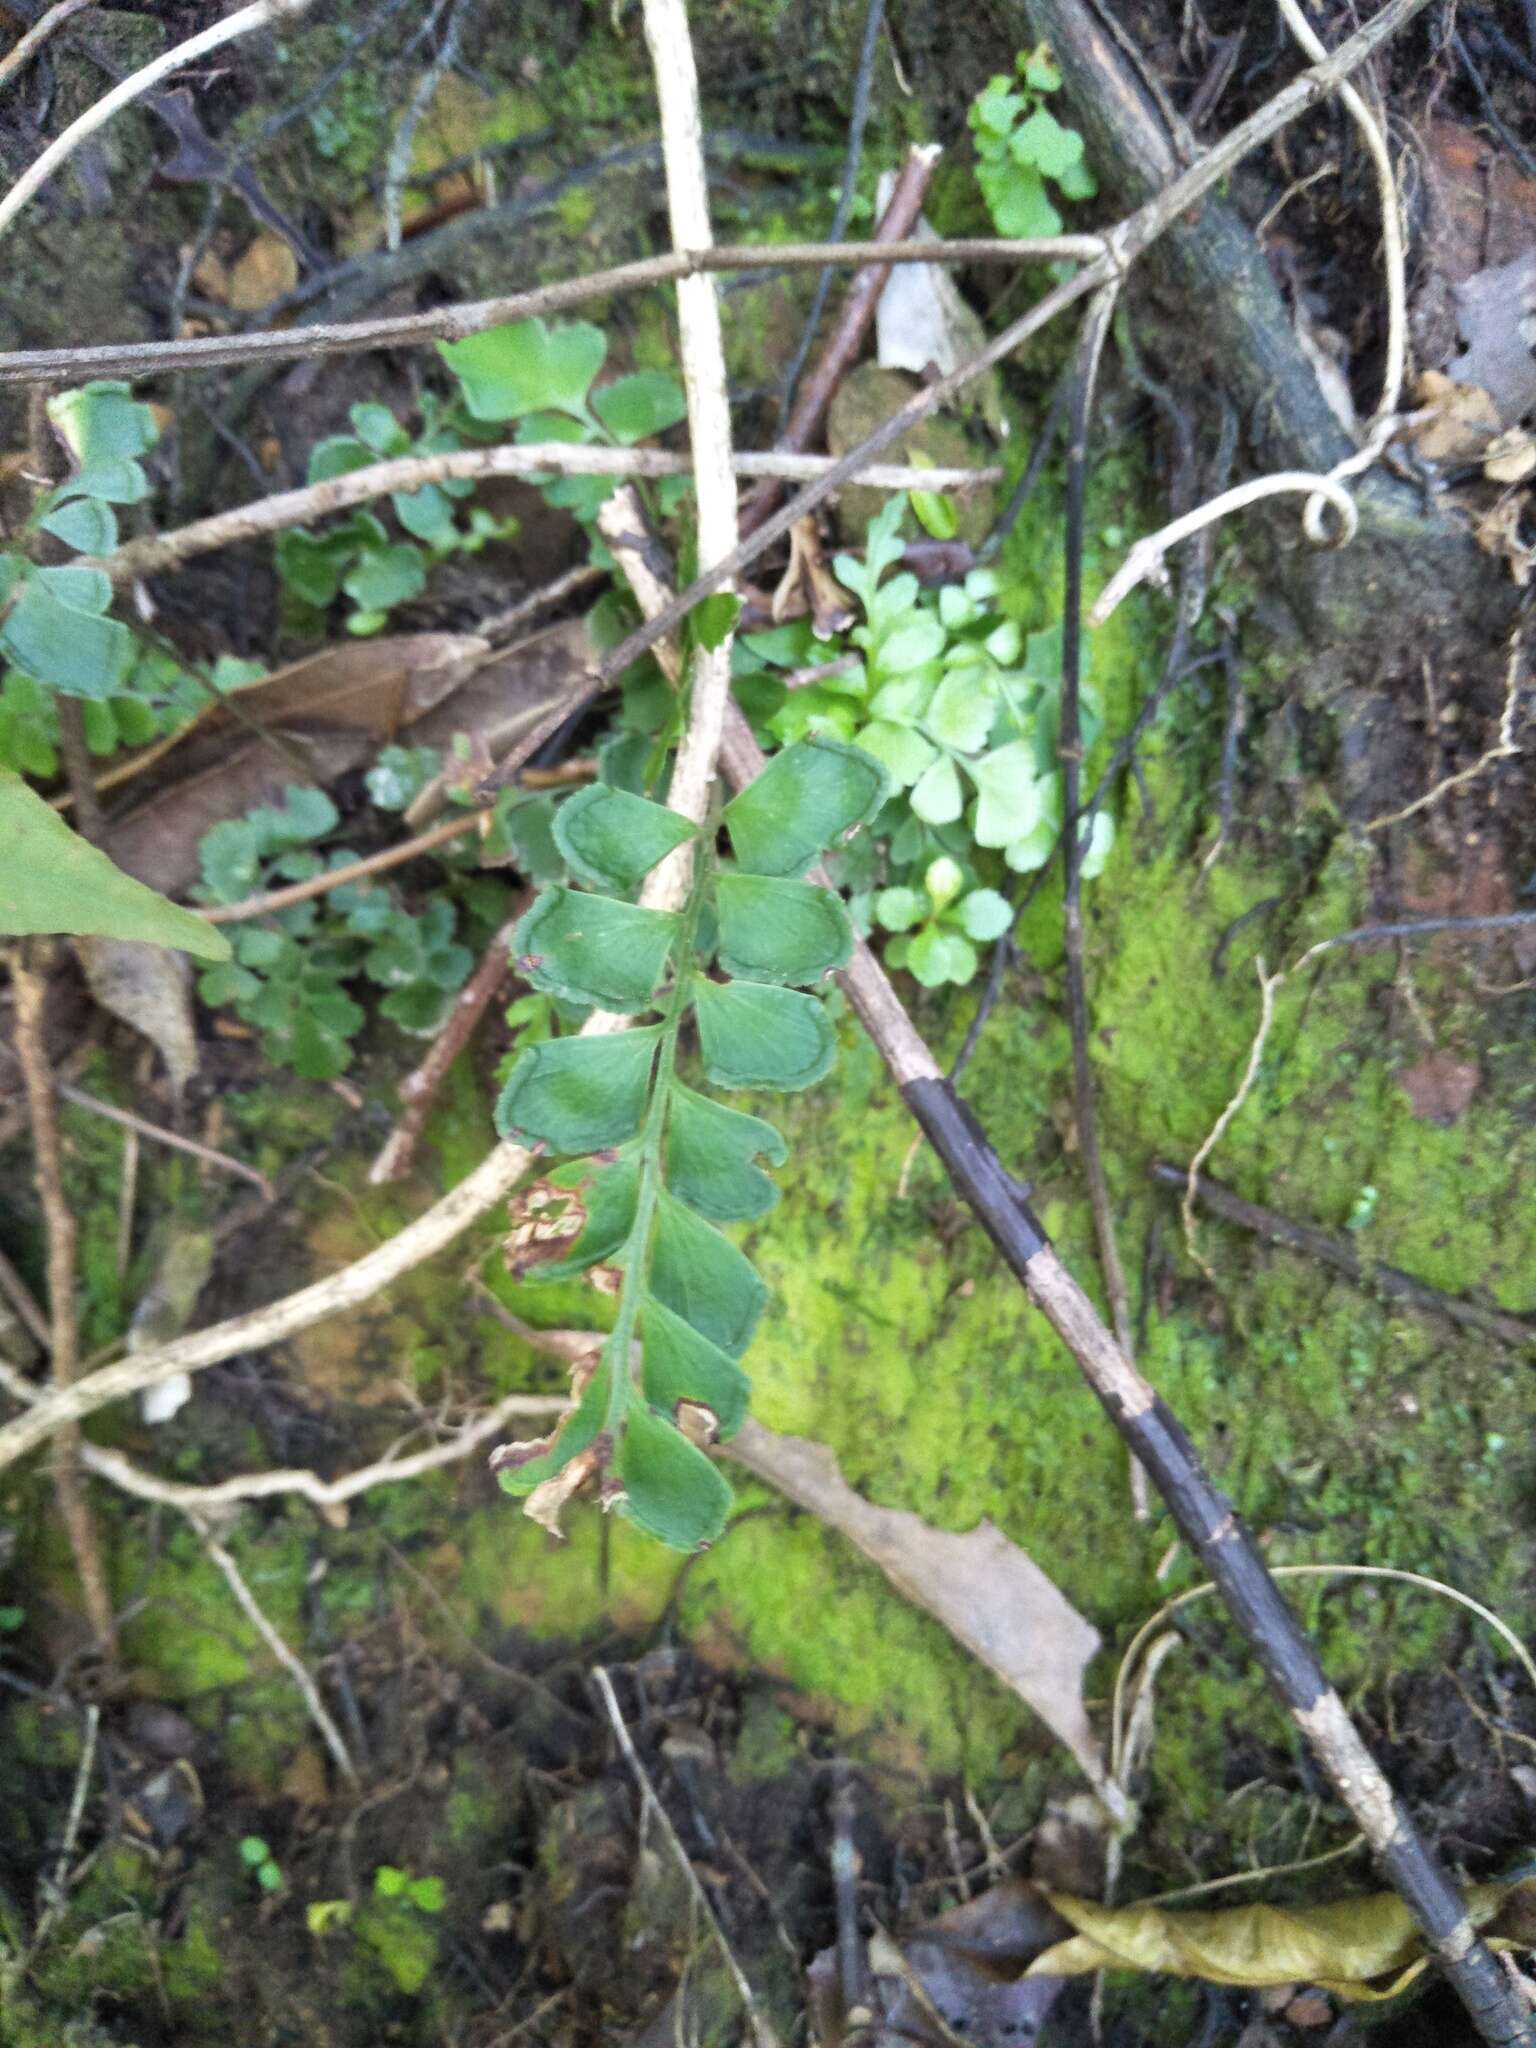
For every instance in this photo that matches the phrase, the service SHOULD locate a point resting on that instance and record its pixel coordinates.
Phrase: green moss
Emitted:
(403, 1940)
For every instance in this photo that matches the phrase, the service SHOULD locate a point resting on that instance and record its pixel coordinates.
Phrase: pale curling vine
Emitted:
(664, 1164)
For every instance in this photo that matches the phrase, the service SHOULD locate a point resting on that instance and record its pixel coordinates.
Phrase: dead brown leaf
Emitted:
(1462, 422)
(1496, 317)
(1498, 530)
(320, 717)
(808, 585)
(266, 270)
(991, 1596)
(1439, 1087)
(1511, 457)
(149, 987)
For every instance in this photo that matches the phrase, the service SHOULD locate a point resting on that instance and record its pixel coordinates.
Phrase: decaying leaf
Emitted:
(1511, 457)
(1440, 1087)
(1496, 316)
(991, 1596)
(1362, 1948)
(960, 1975)
(545, 1501)
(543, 1221)
(1462, 419)
(267, 269)
(808, 585)
(150, 988)
(1498, 530)
(322, 716)
(182, 1265)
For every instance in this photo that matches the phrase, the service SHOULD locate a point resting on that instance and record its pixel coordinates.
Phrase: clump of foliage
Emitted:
(963, 709)
(1021, 147)
(662, 1164)
(543, 378)
(289, 975)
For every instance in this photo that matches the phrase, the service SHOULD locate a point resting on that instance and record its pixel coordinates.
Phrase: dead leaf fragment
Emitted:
(1439, 1087)
(1498, 531)
(991, 1596)
(1511, 457)
(1347, 1947)
(1463, 420)
(808, 585)
(150, 988)
(1496, 316)
(266, 270)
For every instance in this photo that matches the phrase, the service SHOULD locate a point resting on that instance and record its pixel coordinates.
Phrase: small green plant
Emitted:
(938, 927)
(289, 972)
(1021, 146)
(260, 1862)
(426, 1894)
(962, 708)
(661, 1164)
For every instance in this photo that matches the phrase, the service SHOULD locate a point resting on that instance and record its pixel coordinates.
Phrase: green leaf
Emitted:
(400, 774)
(962, 709)
(903, 753)
(937, 956)
(712, 619)
(86, 589)
(635, 408)
(711, 1155)
(1016, 199)
(1077, 181)
(984, 914)
(377, 426)
(103, 419)
(83, 523)
(230, 855)
(608, 1198)
(428, 515)
(806, 798)
(307, 566)
(1043, 143)
(752, 1035)
(612, 838)
(73, 650)
(899, 909)
(338, 455)
(1101, 840)
(522, 832)
(671, 1489)
(1011, 797)
(579, 1094)
(591, 949)
(936, 795)
(680, 1365)
(527, 367)
(776, 930)
(919, 641)
(533, 1463)
(386, 576)
(1038, 70)
(51, 880)
(116, 479)
(703, 1278)
(936, 514)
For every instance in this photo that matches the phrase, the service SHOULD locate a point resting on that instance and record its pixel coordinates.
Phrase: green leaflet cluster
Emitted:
(665, 1163)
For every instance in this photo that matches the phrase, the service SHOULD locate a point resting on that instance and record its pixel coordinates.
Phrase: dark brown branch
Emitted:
(847, 337)
(1371, 1276)
(419, 1088)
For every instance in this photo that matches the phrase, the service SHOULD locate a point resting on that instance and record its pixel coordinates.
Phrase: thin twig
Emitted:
(398, 166)
(1120, 247)
(762, 2032)
(499, 624)
(259, 15)
(250, 1607)
(1268, 983)
(23, 51)
(1144, 562)
(1419, 928)
(455, 322)
(57, 1888)
(353, 871)
(847, 337)
(409, 472)
(858, 117)
(23, 1300)
(1069, 749)
(1371, 1275)
(143, 1128)
(420, 1086)
(29, 986)
(1391, 214)
(1503, 749)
